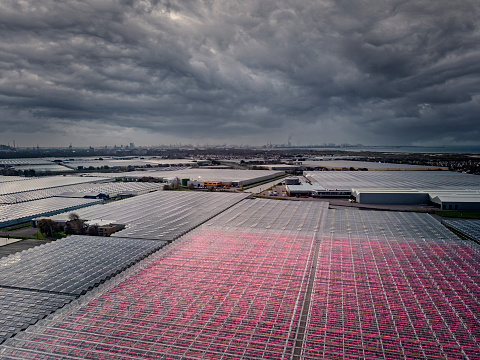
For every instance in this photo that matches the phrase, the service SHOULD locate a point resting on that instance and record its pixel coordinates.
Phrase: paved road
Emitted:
(12, 248)
(20, 246)
(7, 241)
(260, 188)
(28, 231)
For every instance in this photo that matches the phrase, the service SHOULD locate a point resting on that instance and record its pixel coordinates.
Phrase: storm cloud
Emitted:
(389, 72)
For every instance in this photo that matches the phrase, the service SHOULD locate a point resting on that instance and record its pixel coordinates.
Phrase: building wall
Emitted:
(460, 205)
(234, 183)
(106, 230)
(392, 198)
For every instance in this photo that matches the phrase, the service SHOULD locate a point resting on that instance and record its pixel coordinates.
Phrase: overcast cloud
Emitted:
(97, 72)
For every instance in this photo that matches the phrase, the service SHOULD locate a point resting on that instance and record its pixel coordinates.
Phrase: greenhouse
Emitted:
(254, 279)
(21, 308)
(464, 227)
(41, 194)
(220, 293)
(390, 224)
(46, 182)
(47, 168)
(394, 298)
(122, 163)
(74, 264)
(11, 178)
(274, 214)
(110, 188)
(26, 161)
(22, 212)
(160, 215)
(40, 280)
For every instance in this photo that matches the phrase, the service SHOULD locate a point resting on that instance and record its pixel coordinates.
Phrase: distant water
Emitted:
(413, 149)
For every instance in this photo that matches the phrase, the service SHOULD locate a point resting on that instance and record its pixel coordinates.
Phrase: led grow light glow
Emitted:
(221, 294)
(378, 298)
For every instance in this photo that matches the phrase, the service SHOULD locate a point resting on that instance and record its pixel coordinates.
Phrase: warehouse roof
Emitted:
(439, 193)
(394, 179)
(223, 175)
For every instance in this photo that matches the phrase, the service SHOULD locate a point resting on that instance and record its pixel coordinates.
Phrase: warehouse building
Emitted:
(443, 189)
(445, 180)
(303, 189)
(390, 196)
(443, 199)
(221, 177)
(197, 177)
(456, 200)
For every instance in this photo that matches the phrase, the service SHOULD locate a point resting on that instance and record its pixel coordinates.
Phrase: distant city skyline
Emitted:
(105, 150)
(203, 145)
(226, 72)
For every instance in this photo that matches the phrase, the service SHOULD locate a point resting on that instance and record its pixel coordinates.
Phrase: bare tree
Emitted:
(75, 225)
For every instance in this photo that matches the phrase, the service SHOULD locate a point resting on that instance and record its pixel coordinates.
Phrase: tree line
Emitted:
(74, 226)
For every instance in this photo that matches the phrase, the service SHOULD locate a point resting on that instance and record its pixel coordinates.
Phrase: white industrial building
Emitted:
(303, 189)
(443, 199)
(456, 200)
(390, 196)
(227, 177)
(443, 189)
(202, 177)
(446, 180)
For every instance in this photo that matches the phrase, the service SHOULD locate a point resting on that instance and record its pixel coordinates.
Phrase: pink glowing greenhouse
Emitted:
(292, 283)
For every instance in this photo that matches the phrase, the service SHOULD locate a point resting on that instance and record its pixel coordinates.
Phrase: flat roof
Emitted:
(454, 195)
(305, 187)
(223, 175)
(446, 180)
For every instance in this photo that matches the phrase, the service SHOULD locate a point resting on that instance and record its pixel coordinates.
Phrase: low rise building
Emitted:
(106, 230)
(461, 199)
(303, 189)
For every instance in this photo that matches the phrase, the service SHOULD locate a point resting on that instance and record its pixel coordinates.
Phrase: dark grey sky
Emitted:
(97, 72)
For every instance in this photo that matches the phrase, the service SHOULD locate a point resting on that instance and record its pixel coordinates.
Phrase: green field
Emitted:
(460, 214)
